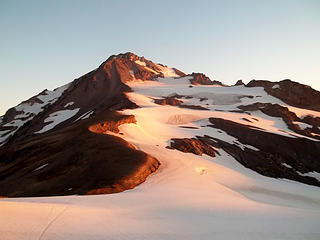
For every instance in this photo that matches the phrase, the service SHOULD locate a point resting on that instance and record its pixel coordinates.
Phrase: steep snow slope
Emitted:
(190, 196)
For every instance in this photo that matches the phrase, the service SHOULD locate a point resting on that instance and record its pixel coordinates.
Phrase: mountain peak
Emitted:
(57, 136)
(128, 55)
(134, 67)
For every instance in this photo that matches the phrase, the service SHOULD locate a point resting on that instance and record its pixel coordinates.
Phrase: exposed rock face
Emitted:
(192, 145)
(173, 101)
(130, 180)
(74, 160)
(201, 79)
(140, 66)
(239, 83)
(123, 63)
(276, 110)
(195, 107)
(275, 152)
(111, 125)
(314, 122)
(168, 101)
(10, 115)
(180, 73)
(292, 93)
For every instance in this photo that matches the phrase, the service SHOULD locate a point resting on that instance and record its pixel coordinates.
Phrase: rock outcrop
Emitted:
(192, 145)
(74, 160)
(168, 101)
(239, 83)
(292, 93)
(201, 79)
(277, 156)
(290, 118)
(268, 154)
(173, 101)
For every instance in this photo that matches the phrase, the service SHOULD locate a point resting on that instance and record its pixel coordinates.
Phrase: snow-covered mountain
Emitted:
(245, 156)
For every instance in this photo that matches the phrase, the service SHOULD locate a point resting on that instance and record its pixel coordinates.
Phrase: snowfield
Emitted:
(190, 196)
(57, 117)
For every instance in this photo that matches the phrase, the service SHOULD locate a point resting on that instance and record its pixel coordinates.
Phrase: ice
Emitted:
(69, 104)
(275, 86)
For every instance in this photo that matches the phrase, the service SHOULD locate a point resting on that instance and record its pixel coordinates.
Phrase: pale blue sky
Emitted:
(45, 44)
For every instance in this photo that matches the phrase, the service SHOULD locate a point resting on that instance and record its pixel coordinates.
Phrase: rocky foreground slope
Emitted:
(69, 140)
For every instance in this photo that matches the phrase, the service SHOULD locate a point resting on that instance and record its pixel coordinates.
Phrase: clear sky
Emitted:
(45, 44)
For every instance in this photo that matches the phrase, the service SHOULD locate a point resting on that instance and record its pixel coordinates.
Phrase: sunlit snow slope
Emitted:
(190, 196)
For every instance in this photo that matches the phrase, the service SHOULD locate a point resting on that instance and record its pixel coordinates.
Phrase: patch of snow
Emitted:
(275, 125)
(275, 86)
(15, 123)
(302, 113)
(43, 166)
(30, 110)
(167, 72)
(140, 63)
(286, 165)
(151, 70)
(85, 115)
(204, 129)
(143, 64)
(313, 174)
(250, 147)
(2, 133)
(4, 138)
(303, 125)
(52, 96)
(69, 104)
(48, 97)
(88, 115)
(56, 118)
